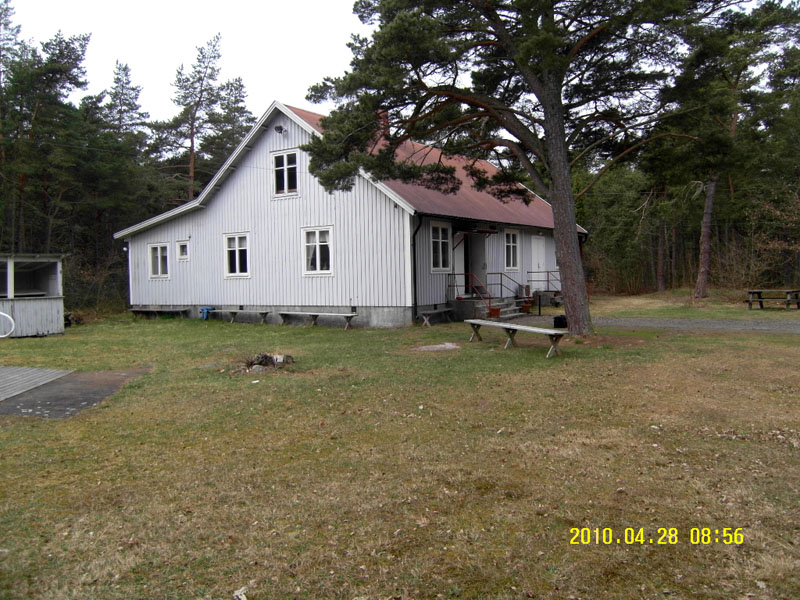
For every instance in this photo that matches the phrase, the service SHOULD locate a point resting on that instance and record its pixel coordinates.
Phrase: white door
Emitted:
(538, 275)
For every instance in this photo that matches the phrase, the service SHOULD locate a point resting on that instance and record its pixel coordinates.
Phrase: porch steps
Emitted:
(508, 310)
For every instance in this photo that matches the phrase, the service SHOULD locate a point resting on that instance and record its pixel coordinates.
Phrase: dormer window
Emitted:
(285, 173)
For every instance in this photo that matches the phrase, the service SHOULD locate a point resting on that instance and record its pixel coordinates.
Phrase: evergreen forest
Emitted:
(705, 187)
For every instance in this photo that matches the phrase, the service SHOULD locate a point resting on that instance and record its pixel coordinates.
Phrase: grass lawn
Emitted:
(371, 470)
(678, 303)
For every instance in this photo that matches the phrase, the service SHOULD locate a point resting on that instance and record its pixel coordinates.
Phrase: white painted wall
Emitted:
(369, 241)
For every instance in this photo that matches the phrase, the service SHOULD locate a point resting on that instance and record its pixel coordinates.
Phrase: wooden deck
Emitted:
(15, 380)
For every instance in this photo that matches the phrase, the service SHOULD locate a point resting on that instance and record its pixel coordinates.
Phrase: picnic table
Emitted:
(788, 296)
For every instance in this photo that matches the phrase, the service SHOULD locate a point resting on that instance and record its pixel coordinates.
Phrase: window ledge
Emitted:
(317, 273)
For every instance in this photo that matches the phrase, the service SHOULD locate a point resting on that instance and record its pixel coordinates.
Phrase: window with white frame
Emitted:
(182, 250)
(512, 250)
(317, 246)
(440, 247)
(159, 261)
(285, 173)
(237, 263)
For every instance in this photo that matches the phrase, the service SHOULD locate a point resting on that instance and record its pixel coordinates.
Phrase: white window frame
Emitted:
(516, 248)
(316, 272)
(178, 255)
(286, 192)
(161, 246)
(441, 267)
(225, 249)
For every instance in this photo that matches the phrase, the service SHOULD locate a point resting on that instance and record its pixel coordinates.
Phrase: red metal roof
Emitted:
(467, 203)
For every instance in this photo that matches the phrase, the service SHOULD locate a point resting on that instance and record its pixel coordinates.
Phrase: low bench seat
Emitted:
(427, 314)
(182, 311)
(511, 330)
(233, 312)
(315, 315)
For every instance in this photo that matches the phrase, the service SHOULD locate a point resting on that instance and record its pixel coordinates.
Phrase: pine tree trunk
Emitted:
(661, 283)
(703, 267)
(190, 191)
(673, 279)
(573, 281)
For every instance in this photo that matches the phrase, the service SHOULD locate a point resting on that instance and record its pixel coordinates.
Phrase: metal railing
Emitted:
(505, 282)
(472, 285)
(545, 281)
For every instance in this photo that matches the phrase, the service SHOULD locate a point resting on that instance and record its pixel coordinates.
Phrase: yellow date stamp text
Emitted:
(698, 536)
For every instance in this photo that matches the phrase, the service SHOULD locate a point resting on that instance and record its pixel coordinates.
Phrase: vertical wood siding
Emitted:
(432, 286)
(35, 316)
(368, 250)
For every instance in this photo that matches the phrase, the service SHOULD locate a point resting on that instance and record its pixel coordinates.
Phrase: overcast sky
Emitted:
(278, 48)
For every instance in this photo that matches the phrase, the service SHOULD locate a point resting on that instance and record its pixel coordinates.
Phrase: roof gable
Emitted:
(467, 203)
(228, 167)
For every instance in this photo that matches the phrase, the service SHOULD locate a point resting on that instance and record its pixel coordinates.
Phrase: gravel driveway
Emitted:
(682, 324)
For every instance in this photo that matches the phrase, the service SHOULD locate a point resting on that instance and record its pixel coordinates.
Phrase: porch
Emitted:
(500, 296)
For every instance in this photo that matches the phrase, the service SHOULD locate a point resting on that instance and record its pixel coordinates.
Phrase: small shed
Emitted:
(31, 292)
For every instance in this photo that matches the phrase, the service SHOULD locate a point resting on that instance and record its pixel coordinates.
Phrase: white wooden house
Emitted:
(265, 235)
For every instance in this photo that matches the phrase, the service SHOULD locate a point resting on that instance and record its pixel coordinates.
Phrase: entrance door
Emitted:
(538, 264)
(477, 256)
(460, 262)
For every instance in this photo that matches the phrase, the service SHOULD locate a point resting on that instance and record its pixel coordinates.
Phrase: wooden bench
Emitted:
(511, 330)
(233, 312)
(182, 311)
(427, 314)
(788, 296)
(315, 315)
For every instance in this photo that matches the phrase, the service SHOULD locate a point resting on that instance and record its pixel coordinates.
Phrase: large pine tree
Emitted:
(531, 85)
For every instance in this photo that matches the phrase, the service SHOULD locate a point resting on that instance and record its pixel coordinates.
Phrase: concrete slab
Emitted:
(68, 395)
(16, 380)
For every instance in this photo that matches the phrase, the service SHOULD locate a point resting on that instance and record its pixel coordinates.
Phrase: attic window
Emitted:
(285, 173)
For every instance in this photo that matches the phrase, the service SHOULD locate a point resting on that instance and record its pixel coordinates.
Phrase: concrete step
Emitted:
(512, 315)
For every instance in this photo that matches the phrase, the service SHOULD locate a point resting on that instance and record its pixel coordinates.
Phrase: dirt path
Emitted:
(682, 324)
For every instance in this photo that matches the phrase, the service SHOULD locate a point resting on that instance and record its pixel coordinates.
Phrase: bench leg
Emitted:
(510, 341)
(347, 323)
(264, 317)
(475, 333)
(426, 320)
(233, 316)
(554, 339)
(314, 320)
(283, 318)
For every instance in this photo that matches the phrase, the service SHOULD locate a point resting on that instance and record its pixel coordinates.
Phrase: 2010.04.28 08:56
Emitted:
(702, 536)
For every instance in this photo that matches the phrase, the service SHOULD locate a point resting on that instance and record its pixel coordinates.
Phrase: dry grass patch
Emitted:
(373, 471)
